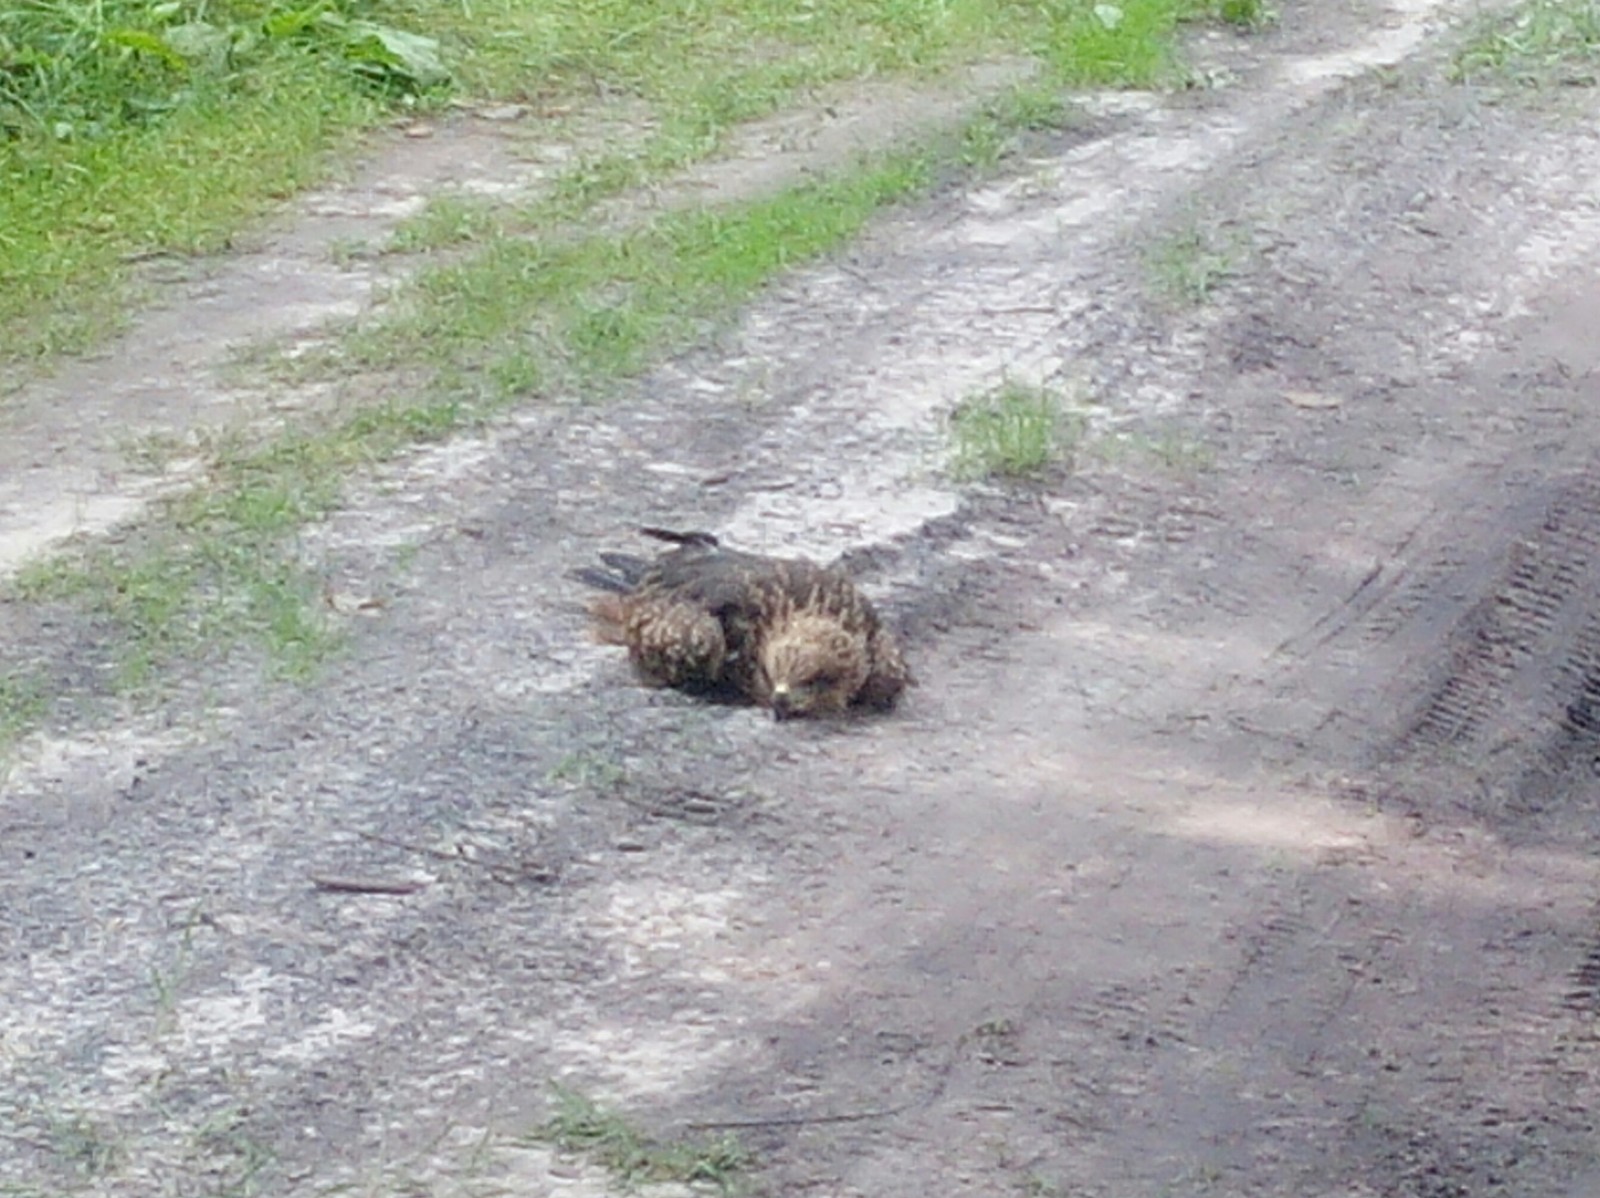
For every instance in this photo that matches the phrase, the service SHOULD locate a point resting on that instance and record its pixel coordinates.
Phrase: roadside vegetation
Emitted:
(582, 1127)
(1538, 43)
(1014, 432)
(522, 314)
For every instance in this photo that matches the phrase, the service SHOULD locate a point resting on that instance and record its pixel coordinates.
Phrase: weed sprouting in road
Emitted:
(1245, 14)
(580, 1125)
(1187, 267)
(586, 768)
(24, 699)
(1026, 108)
(1013, 432)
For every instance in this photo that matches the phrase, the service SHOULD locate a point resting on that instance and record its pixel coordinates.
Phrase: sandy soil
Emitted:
(1240, 840)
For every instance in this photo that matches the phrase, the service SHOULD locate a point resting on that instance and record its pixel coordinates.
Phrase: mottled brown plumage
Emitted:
(788, 634)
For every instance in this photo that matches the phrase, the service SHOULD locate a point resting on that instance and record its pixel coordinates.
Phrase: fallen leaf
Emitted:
(347, 604)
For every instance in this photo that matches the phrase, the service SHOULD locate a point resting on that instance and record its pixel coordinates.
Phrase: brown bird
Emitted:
(787, 634)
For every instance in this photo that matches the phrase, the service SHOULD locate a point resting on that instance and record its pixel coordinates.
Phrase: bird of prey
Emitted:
(787, 634)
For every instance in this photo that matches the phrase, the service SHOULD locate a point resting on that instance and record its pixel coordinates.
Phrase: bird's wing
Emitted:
(674, 642)
(716, 580)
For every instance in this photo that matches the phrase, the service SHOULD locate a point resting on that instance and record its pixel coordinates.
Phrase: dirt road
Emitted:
(1240, 840)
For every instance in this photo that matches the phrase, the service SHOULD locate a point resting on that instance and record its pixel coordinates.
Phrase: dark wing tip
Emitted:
(601, 580)
(705, 540)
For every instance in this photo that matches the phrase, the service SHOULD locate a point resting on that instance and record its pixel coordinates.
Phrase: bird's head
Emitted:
(814, 666)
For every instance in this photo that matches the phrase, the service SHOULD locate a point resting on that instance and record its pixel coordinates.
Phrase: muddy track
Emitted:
(1240, 839)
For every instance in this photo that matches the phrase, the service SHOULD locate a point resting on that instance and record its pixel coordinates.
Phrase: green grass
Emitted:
(992, 132)
(523, 315)
(1128, 43)
(1013, 432)
(1036, 1185)
(197, 593)
(138, 127)
(1245, 14)
(1538, 43)
(130, 127)
(1186, 268)
(447, 221)
(519, 314)
(232, 1157)
(24, 700)
(580, 1126)
(219, 569)
(75, 218)
(584, 768)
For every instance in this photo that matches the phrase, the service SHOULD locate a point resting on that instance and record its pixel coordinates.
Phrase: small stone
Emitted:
(503, 112)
